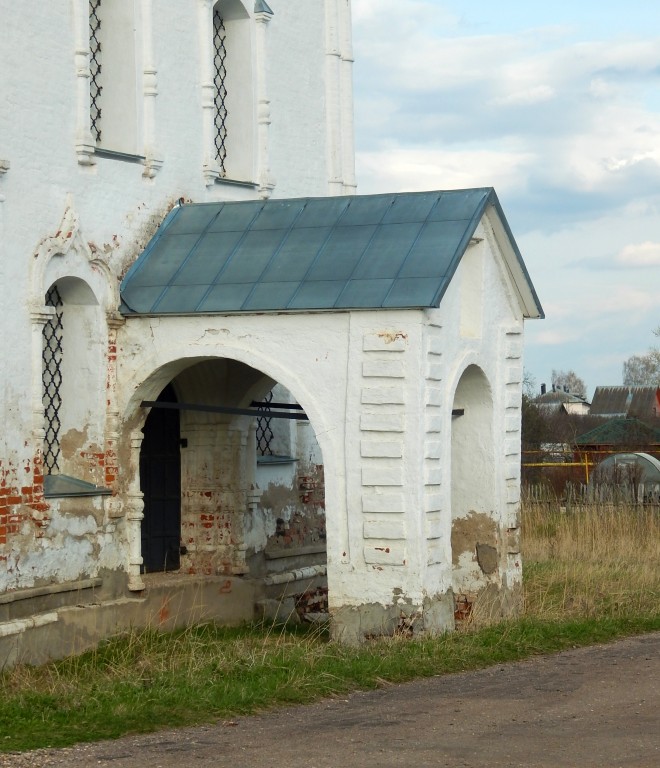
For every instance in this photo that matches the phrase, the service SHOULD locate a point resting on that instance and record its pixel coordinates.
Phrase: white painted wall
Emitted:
(378, 386)
(68, 211)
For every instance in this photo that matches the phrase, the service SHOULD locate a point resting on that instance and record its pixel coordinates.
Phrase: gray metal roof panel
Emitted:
(621, 431)
(625, 400)
(64, 485)
(352, 252)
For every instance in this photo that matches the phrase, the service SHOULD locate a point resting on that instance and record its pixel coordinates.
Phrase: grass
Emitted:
(595, 560)
(590, 576)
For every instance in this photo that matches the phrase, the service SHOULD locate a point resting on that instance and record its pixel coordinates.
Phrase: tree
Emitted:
(643, 370)
(534, 428)
(569, 380)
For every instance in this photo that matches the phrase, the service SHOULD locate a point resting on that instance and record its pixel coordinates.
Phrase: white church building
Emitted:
(233, 388)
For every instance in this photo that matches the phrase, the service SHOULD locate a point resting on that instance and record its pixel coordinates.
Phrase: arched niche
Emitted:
(475, 531)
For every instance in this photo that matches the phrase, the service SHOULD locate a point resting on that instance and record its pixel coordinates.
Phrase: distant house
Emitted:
(617, 435)
(626, 402)
(561, 401)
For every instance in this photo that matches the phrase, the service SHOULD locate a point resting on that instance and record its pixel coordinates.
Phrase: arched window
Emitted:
(73, 383)
(53, 332)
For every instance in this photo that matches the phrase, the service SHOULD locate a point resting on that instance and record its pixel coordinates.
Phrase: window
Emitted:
(220, 88)
(73, 381)
(234, 123)
(264, 434)
(53, 332)
(114, 115)
(95, 67)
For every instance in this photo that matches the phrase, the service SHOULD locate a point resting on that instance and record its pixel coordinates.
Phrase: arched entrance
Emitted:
(475, 530)
(160, 482)
(233, 485)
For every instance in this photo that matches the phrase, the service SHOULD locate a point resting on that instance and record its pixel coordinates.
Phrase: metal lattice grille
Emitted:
(53, 333)
(264, 431)
(220, 82)
(95, 68)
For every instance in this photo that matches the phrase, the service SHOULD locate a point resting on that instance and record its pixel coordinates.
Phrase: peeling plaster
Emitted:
(467, 532)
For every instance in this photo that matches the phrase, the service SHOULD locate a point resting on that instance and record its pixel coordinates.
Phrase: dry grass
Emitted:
(590, 560)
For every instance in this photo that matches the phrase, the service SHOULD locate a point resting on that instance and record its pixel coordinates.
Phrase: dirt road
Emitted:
(592, 707)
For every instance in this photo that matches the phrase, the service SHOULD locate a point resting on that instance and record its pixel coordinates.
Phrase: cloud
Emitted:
(646, 254)
(535, 94)
(576, 116)
(562, 118)
(416, 169)
(551, 338)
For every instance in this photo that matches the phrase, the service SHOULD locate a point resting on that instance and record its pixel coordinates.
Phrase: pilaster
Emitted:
(384, 472)
(436, 517)
(265, 177)
(135, 516)
(210, 167)
(346, 98)
(333, 98)
(153, 160)
(85, 144)
(512, 340)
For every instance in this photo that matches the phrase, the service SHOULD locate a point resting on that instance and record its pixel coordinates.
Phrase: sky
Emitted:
(555, 105)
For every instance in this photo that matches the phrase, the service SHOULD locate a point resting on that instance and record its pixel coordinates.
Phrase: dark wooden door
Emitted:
(160, 482)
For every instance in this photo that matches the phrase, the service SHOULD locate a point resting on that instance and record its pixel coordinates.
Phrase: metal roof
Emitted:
(331, 253)
(65, 485)
(621, 432)
(626, 401)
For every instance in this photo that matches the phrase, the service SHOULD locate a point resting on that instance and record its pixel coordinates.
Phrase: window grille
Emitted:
(264, 432)
(95, 68)
(53, 333)
(220, 83)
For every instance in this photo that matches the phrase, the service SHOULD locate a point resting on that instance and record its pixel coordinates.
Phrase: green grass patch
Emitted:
(589, 577)
(147, 681)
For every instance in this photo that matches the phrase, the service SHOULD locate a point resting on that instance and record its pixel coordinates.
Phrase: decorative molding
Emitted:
(265, 177)
(67, 237)
(4, 166)
(40, 314)
(114, 507)
(134, 516)
(152, 164)
(68, 242)
(153, 161)
(85, 145)
(210, 167)
(333, 99)
(115, 320)
(346, 98)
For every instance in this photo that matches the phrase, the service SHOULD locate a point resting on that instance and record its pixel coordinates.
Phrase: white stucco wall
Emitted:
(66, 210)
(378, 386)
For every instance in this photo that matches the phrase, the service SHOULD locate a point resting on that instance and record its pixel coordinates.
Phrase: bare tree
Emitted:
(569, 380)
(643, 370)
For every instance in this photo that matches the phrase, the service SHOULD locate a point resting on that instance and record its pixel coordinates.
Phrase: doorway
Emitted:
(160, 482)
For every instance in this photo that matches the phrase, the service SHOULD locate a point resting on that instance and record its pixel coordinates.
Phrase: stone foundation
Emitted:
(355, 624)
